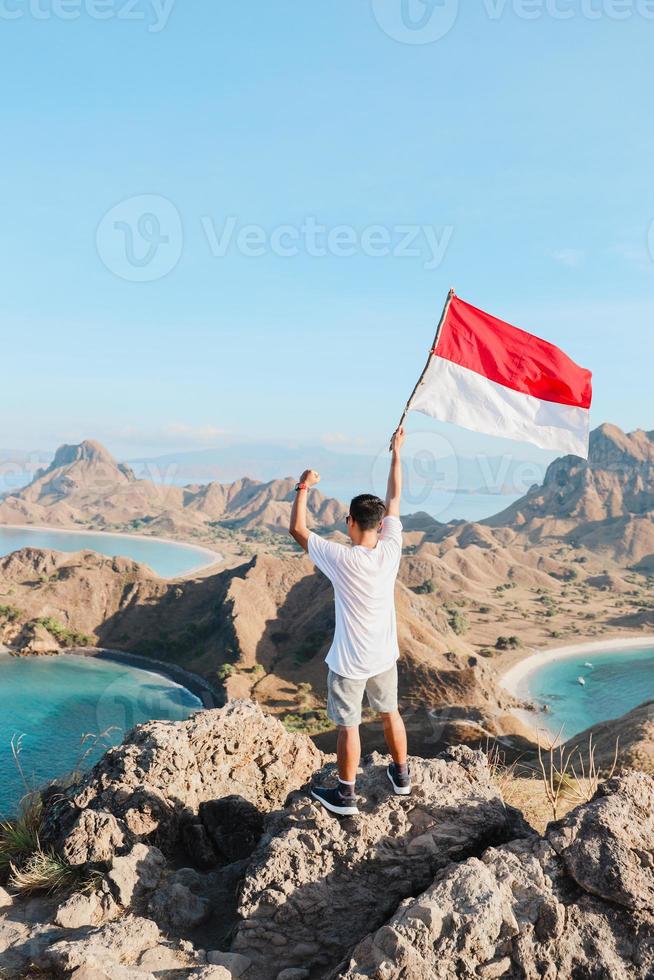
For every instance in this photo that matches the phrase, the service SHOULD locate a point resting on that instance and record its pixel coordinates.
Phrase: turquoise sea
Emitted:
(51, 703)
(166, 558)
(617, 681)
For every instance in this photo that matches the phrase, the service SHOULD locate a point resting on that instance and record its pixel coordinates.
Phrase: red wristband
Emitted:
(301, 486)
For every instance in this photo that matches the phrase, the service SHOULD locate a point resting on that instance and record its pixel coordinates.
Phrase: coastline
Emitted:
(207, 694)
(215, 557)
(515, 679)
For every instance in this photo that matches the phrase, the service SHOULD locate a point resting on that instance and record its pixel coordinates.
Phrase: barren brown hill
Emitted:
(605, 503)
(261, 629)
(84, 485)
(471, 598)
(632, 734)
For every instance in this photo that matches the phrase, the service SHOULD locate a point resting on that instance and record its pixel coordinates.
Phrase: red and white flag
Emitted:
(491, 377)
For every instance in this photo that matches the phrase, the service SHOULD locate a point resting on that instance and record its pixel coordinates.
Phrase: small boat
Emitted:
(581, 680)
(588, 664)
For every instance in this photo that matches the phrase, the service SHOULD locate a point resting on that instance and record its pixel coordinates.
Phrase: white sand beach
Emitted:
(516, 678)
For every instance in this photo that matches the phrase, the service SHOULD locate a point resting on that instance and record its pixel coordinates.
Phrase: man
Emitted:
(364, 652)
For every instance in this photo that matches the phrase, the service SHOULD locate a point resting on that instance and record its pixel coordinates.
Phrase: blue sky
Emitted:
(518, 152)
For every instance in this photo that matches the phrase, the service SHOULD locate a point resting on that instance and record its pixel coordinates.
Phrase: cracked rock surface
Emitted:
(211, 860)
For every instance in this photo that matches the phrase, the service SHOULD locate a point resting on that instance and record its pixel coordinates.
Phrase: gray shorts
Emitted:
(345, 696)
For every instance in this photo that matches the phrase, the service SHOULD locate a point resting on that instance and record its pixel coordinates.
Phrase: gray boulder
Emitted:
(233, 962)
(317, 885)
(608, 845)
(136, 873)
(80, 910)
(166, 770)
(181, 902)
(534, 908)
(116, 944)
(94, 837)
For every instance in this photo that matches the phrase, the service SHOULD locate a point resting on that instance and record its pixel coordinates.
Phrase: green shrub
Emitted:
(426, 588)
(225, 671)
(70, 638)
(458, 622)
(508, 643)
(311, 722)
(10, 613)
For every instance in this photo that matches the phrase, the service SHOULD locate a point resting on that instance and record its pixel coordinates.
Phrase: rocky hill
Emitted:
(269, 620)
(85, 486)
(605, 503)
(632, 734)
(472, 597)
(194, 850)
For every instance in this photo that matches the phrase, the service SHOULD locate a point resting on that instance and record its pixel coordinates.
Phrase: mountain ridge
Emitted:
(84, 484)
(471, 597)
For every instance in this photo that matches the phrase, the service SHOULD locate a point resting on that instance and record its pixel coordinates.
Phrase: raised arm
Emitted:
(298, 526)
(394, 489)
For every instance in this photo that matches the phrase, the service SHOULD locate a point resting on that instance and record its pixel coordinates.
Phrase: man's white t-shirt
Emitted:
(365, 636)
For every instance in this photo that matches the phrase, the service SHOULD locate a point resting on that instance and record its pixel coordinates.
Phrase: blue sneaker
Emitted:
(335, 801)
(401, 784)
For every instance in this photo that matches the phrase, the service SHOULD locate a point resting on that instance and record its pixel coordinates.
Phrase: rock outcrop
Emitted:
(448, 882)
(157, 780)
(576, 903)
(315, 886)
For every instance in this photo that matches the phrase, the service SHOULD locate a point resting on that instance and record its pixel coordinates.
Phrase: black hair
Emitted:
(367, 510)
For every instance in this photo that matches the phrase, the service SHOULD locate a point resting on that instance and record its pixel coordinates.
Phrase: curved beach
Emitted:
(516, 678)
(213, 557)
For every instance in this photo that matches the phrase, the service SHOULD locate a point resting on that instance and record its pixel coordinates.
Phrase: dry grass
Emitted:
(565, 775)
(43, 871)
(20, 837)
(562, 782)
(527, 794)
(29, 866)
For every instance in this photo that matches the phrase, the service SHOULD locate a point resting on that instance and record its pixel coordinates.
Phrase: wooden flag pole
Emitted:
(450, 297)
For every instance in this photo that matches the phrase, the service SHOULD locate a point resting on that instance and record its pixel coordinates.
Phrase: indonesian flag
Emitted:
(491, 377)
